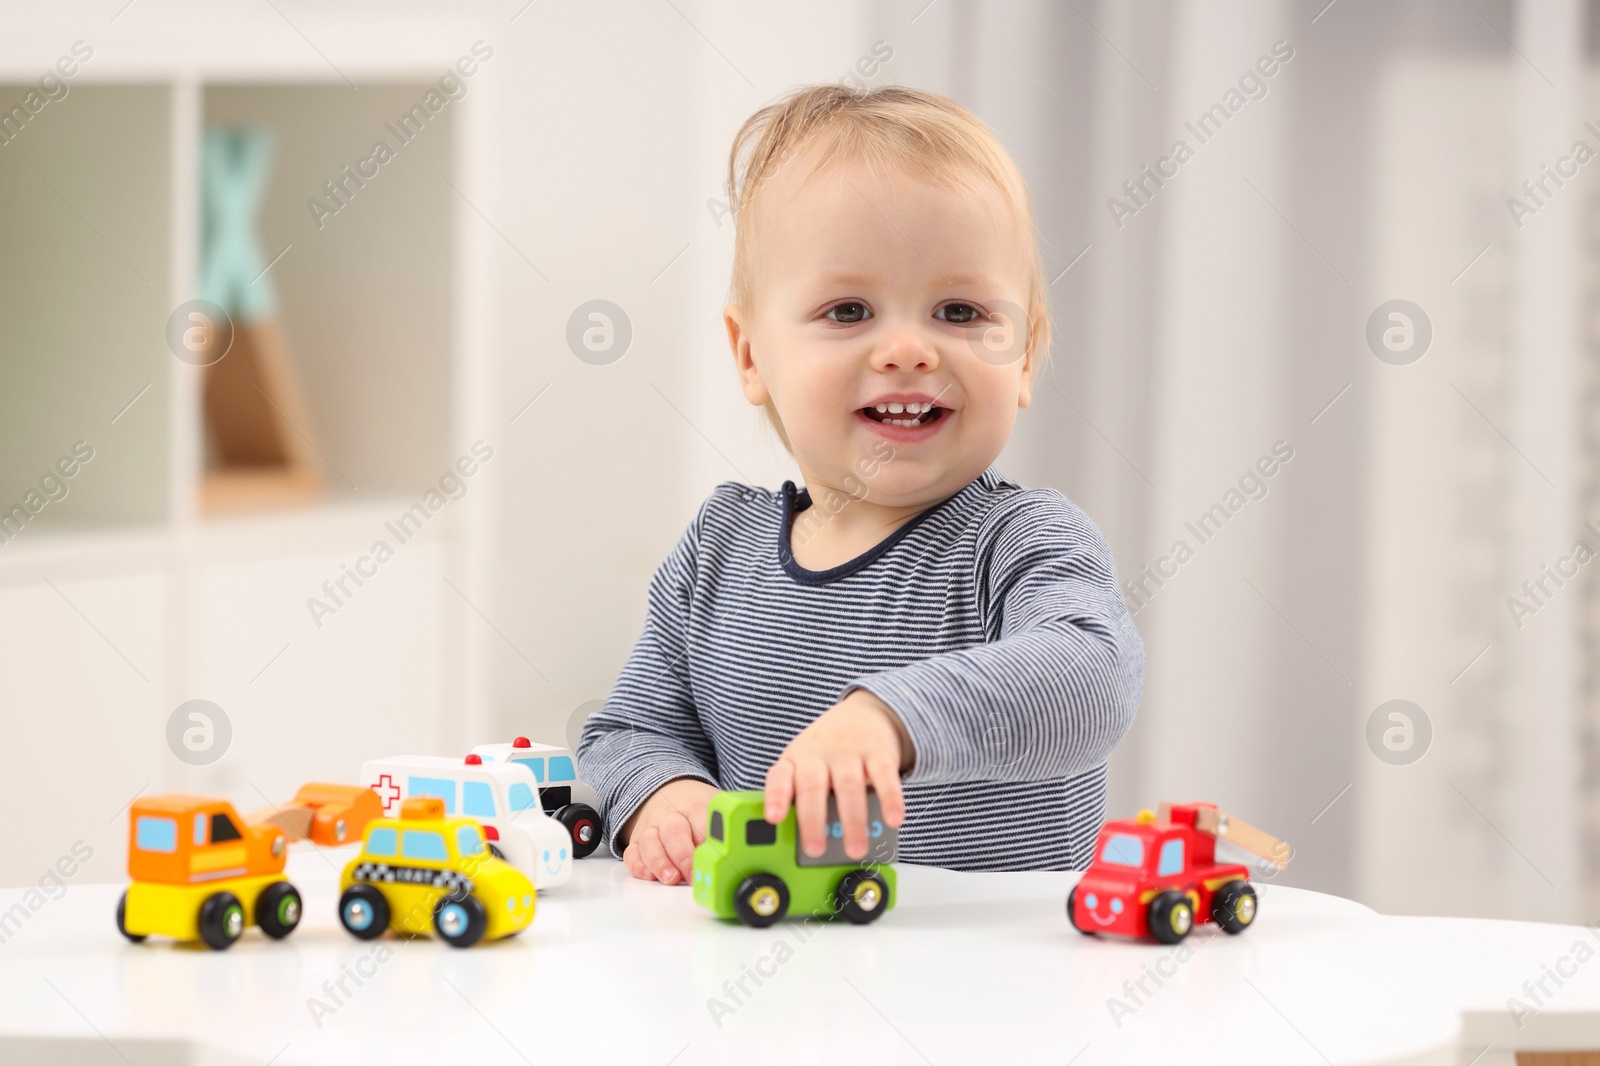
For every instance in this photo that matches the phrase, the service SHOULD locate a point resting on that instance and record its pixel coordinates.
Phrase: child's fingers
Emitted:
(780, 789)
(635, 865)
(884, 773)
(850, 791)
(676, 838)
(655, 857)
(811, 803)
(646, 870)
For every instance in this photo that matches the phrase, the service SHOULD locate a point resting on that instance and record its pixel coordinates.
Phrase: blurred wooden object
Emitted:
(255, 415)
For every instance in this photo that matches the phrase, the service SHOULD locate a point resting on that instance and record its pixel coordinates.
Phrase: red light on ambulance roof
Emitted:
(521, 742)
(474, 760)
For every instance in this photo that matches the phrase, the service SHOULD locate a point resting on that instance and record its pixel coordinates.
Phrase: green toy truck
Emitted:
(752, 870)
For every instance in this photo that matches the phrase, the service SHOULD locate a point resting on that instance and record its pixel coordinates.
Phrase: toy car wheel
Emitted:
(583, 824)
(460, 922)
(761, 900)
(1072, 912)
(494, 849)
(122, 921)
(862, 896)
(363, 912)
(221, 920)
(1171, 916)
(278, 909)
(1234, 906)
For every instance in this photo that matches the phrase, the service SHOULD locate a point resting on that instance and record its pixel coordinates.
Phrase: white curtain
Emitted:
(1228, 314)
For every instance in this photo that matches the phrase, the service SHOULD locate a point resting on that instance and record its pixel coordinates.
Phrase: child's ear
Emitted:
(1030, 361)
(738, 326)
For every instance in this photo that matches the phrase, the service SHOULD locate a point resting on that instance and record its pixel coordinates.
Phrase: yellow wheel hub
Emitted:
(1182, 919)
(867, 896)
(764, 901)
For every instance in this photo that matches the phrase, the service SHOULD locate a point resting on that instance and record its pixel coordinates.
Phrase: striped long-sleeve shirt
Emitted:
(991, 624)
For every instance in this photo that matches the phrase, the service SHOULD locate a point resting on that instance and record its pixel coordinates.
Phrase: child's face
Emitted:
(872, 290)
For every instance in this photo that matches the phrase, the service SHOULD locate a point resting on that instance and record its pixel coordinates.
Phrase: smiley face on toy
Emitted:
(1114, 906)
(555, 863)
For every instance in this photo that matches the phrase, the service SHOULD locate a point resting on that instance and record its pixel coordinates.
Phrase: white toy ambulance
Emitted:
(502, 796)
(557, 773)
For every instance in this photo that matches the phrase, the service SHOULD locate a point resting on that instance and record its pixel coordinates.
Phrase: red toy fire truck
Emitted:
(1157, 875)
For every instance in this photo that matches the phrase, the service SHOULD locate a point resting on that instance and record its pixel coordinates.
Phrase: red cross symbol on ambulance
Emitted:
(387, 791)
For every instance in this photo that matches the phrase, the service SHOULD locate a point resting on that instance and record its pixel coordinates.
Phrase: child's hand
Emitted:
(857, 741)
(663, 832)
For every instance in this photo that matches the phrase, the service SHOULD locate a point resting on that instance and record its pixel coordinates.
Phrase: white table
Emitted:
(968, 968)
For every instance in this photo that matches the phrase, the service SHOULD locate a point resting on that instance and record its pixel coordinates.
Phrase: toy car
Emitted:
(328, 815)
(426, 872)
(556, 771)
(1158, 876)
(201, 873)
(504, 797)
(750, 869)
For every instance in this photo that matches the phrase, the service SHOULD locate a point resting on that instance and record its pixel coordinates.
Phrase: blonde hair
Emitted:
(920, 132)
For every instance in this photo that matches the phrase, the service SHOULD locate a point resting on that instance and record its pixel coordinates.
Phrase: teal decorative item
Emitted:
(234, 167)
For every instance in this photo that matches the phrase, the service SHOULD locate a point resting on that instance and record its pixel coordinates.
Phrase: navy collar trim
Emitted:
(797, 500)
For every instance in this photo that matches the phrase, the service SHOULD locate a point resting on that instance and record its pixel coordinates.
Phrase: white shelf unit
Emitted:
(119, 602)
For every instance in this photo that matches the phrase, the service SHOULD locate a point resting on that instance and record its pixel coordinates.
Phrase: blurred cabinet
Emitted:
(118, 601)
(312, 694)
(84, 710)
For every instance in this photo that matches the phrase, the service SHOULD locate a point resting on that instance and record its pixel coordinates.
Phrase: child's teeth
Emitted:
(918, 413)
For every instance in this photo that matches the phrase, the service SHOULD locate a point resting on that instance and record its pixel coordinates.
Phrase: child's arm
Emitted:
(1051, 694)
(645, 753)
(1057, 685)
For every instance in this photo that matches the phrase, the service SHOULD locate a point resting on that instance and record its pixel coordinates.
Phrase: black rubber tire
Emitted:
(377, 911)
(1234, 906)
(278, 909)
(221, 920)
(752, 898)
(122, 921)
(494, 849)
(474, 917)
(1170, 917)
(578, 818)
(862, 896)
(1072, 912)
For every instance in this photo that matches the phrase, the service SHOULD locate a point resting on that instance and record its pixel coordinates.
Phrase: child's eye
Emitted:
(958, 314)
(849, 312)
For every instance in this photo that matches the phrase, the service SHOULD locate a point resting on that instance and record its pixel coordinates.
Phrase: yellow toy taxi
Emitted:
(200, 872)
(425, 872)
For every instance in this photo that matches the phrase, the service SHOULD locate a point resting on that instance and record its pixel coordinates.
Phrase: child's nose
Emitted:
(906, 349)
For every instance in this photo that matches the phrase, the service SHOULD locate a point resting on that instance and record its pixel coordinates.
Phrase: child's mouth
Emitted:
(904, 423)
(907, 415)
